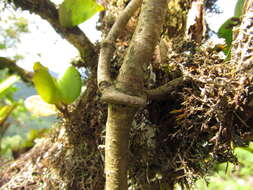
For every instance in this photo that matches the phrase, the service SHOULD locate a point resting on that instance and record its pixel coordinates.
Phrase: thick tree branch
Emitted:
(107, 46)
(26, 76)
(47, 10)
(142, 46)
(109, 93)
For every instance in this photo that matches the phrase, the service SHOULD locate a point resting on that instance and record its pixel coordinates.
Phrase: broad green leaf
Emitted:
(38, 107)
(70, 84)
(45, 84)
(8, 82)
(238, 8)
(226, 31)
(74, 12)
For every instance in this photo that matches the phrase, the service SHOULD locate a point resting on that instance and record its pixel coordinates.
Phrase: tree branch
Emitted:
(195, 22)
(142, 45)
(114, 96)
(108, 45)
(163, 91)
(26, 76)
(47, 10)
(110, 94)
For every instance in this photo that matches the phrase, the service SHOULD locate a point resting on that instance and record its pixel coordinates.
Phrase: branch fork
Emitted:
(111, 94)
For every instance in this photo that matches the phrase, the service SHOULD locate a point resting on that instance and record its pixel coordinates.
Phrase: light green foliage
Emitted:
(12, 26)
(6, 87)
(17, 142)
(229, 176)
(70, 85)
(226, 29)
(74, 12)
(31, 136)
(6, 109)
(226, 32)
(238, 8)
(8, 143)
(7, 105)
(58, 92)
(45, 84)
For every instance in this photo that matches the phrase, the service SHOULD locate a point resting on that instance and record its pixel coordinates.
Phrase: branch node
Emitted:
(114, 96)
(104, 85)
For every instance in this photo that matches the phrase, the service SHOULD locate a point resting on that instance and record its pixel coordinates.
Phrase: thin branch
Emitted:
(47, 10)
(107, 46)
(26, 76)
(163, 91)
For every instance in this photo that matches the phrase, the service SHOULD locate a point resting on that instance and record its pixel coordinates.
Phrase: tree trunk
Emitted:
(131, 82)
(118, 126)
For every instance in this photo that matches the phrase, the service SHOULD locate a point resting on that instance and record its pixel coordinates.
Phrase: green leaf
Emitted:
(238, 8)
(244, 156)
(74, 12)
(226, 31)
(70, 85)
(45, 84)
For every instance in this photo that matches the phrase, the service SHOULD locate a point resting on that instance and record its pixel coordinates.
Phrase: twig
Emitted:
(163, 91)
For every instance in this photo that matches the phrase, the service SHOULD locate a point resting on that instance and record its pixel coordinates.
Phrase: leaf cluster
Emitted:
(59, 92)
(226, 29)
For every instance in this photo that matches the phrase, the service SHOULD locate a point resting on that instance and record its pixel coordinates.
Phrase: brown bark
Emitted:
(195, 22)
(13, 68)
(108, 45)
(131, 82)
(119, 121)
